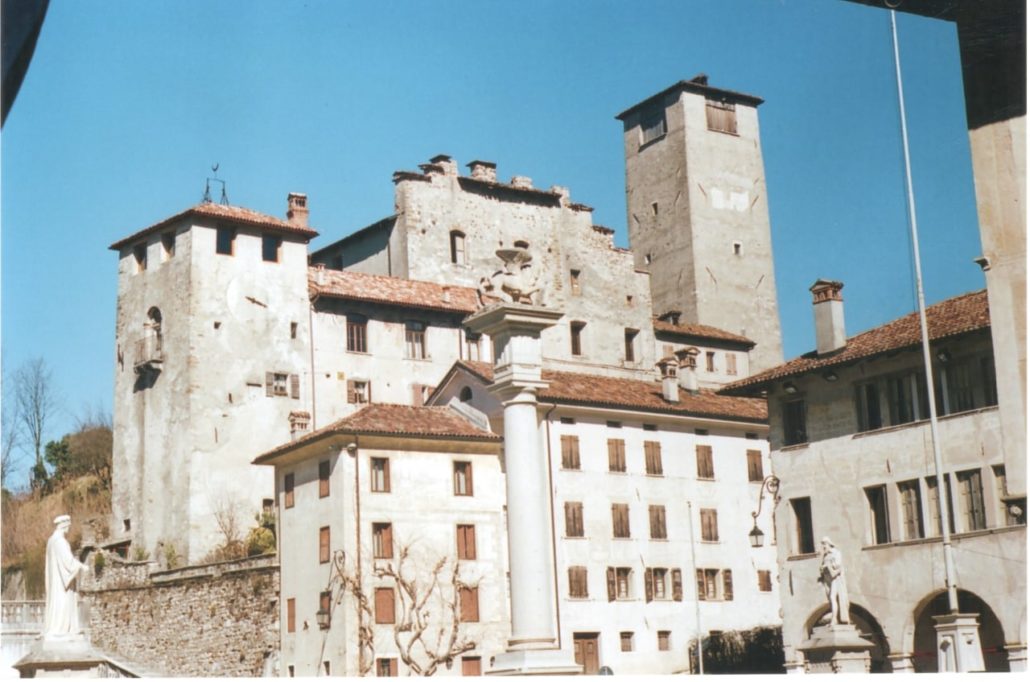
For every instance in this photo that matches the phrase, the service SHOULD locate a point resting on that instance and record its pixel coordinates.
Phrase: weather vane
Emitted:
(207, 187)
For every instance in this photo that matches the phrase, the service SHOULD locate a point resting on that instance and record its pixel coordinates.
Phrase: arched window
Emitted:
(152, 329)
(465, 395)
(458, 255)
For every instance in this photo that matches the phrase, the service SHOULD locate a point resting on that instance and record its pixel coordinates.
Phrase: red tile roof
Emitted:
(573, 388)
(409, 293)
(393, 420)
(959, 315)
(701, 331)
(235, 214)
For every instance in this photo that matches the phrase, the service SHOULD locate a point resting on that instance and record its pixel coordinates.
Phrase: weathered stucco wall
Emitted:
(203, 621)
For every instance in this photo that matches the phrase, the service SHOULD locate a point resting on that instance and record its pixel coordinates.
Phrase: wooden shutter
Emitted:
(269, 381)
(350, 391)
(653, 457)
(471, 666)
(705, 468)
(288, 491)
(727, 584)
(610, 575)
(613, 455)
(677, 584)
(976, 501)
(702, 594)
(386, 540)
(291, 615)
(323, 545)
(384, 605)
(469, 607)
(466, 542)
(648, 585)
(754, 465)
(295, 386)
(417, 397)
(323, 479)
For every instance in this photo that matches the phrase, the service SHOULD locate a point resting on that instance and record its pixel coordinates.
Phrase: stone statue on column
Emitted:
(831, 575)
(515, 282)
(62, 573)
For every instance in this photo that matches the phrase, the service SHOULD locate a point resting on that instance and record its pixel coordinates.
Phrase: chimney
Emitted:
(483, 170)
(446, 294)
(700, 79)
(522, 182)
(687, 358)
(320, 274)
(828, 308)
(297, 209)
(299, 424)
(671, 316)
(446, 164)
(670, 389)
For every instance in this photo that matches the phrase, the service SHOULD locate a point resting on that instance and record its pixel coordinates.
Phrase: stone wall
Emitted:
(212, 620)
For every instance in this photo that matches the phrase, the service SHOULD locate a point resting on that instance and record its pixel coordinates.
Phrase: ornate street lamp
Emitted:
(772, 484)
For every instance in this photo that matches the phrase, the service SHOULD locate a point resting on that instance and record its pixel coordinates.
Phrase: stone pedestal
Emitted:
(837, 648)
(1017, 657)
(533, 648)
(958, 643)
(901, 663)
(67, 657)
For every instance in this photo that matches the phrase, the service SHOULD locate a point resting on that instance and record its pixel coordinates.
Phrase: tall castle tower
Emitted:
(697, 211)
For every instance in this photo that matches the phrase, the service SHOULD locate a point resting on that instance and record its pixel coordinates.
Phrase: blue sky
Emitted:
(128, 104)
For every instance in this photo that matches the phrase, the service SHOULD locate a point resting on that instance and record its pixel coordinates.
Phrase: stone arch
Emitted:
(867, 625)
(924, 636)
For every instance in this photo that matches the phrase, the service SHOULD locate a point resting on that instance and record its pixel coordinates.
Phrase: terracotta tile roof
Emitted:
(573, 388)
(696, 85)
(701, 331)
(393, 420)
(409, 293)
(385, 223)
(952, 317)
(235, 214)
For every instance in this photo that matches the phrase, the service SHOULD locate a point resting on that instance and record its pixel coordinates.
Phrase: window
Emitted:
(574, 519)
(655, 581)
(626, 641)
(933, 501)
(465, 395)
(463, 478)
(804, 540)
(906, 398)
(468, 599)
(970, 488)
(652, 457)
(987, 376)
(764, 581)
(867, 401)
(700, 432)
(380, 475)
(471, 666)
(738, 248)
(458, 248)
(168, 244)
(139, 252)
(705, 466)
(722, 116)
(359, 391)
(649, 427)
(291, 615)
(466, 542)
(794, 430)
(710, 361)
(709, 525)
(415, 340)
(754, 466)
(727, 585)
(663, 640)
(617, 455)
(382, 540)
(386, 667)
(288, 490)
(879, 517)
(574, 282)
(1005, 518)
(325, 667)
(618, 583)
(707, 585)
(911, 509)
(630, 336)
(472, 346)
(293, 330)
(568, 420)
(357, 333)
(325, 604)
(323, 479)
(270, 246)
(570, 452)
(958, 394)
(384, 605)
(323, 545)
(578, 582)
(656, 513)
(576, 329)
(731, 363)
(613, 424)
(280, 384)
(620, 520)
(652, 127)
(654, 208)
(225, 241)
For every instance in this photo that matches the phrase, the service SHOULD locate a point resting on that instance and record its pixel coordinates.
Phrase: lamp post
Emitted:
(772, 484)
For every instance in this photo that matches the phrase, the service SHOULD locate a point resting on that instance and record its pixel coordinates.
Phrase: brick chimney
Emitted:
(687, 358)
(522, 182)
(828, 309)
(670, 389)
(297, 209)
(483, 170)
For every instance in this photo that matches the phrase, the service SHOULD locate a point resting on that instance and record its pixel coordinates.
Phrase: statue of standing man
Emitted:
(62, 572)
(831, 575)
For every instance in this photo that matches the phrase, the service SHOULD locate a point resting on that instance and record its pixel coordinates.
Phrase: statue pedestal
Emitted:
(958, 643)
(837, 648)
(65, 657)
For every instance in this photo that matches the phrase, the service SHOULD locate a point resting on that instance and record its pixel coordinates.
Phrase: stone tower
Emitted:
(697, 211)
(212, 366)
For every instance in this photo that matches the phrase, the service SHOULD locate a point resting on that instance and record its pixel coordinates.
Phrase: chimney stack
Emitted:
(522, 182)
(828, 308)
(670, 389)
(297, 209)
(687, 369)
(320, 274)
(483, 170)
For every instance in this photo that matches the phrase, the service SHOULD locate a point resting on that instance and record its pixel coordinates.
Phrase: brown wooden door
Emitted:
(585, 649)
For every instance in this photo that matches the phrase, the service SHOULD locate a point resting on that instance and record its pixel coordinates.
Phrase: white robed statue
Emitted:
(62, 572)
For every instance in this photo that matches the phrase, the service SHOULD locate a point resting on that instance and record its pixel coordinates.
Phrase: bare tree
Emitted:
(350, 582)
(36, 401)
(227, 517)
(10, 428)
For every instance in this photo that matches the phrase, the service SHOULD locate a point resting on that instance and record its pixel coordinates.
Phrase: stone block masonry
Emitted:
(214, 620)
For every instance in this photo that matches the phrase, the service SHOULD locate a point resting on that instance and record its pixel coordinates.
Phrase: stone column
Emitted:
(958, 643)
(533, 648)
(901, 663)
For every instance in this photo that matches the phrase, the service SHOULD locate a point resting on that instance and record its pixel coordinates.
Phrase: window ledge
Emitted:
(710, 542)
(626, 538)
(655, 475)
(724, 132)
(621, 473)
(659, 539)
(705, 479)
(645, 145)
(922, 422)
(794, 446)
(574, 537)
(802, 557)
(425, 359)
(359, 352)
(935, 539)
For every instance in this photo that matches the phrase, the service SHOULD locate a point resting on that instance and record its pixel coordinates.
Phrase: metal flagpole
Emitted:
(697, 596)
(938, 461)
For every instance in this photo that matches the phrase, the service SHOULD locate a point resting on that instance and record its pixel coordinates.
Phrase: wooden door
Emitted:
(585, 649)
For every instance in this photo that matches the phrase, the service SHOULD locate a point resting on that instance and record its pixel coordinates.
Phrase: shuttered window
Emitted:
(357, 333)
(620, 520)
(663, 640)
(291, 615)
(731, 363)
(709, 525)
(933, 503)
(386, 667)
(656, 513)
(727, 584)
(415, 340)
(323, 545)
(578, 582)
(705, 466)
(380, 467)
(466, 542)
(359, 391)
(708, 584)
(288, 491)
(618, 579)
(754, 466)
(570, 452)
(616, 455)
(468, 598)
(765, 581)
(323, 479)
(804, 539)
(382, 540)
(384, 605)
(463, 478)
(971, 489)
(574, 519)
(471, 666)
(653, 457)
(721, 116)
